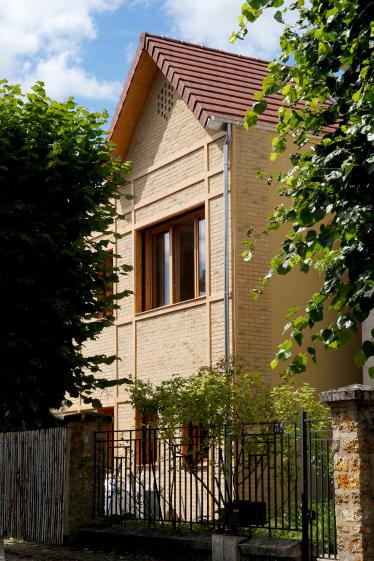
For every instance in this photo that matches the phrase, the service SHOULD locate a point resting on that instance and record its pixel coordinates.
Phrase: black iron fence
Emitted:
(318, 507)
(276, 478)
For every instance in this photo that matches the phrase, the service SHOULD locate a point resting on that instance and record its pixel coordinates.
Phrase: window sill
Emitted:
(171, 308)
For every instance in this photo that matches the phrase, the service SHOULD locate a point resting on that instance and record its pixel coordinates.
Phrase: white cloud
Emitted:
(42, 40)
(211, 22)
(64, 79)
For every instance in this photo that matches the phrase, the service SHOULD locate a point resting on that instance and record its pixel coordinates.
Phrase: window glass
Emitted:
(185, 260)
(195, 444)
(161, 269)
(146, 450)
(202, 267)
(174, 262)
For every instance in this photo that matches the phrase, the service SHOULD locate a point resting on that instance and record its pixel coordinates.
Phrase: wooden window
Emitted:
(108, 427)
(195, 444)
(173, 261)
(106, 310)
(146, 438)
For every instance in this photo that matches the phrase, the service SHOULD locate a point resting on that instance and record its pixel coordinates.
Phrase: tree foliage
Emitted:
(58, 184)
(222, 396)
(327, 99)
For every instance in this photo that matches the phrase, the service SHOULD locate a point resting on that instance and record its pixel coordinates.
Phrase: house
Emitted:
(195, 195)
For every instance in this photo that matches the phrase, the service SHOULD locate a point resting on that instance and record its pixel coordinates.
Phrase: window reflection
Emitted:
(174, 261)
(202, 266)
(161, 269)
(185, 260)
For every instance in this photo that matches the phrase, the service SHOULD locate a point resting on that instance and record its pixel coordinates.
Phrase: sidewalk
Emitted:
(24, 551)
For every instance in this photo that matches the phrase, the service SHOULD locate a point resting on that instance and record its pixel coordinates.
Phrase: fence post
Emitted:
(228, 464)
(353, 444)
(304, 487)
(80, 488)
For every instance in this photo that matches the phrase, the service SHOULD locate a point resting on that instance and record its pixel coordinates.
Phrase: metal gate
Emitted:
(318, 507)
(278, 474)
(32, 477)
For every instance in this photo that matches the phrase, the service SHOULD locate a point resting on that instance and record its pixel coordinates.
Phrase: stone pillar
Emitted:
(352, 410)
(80, 461)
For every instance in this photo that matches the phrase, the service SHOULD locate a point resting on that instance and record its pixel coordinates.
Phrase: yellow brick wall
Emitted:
(176, 202)
(126, 363)
(164, 180)
(124, 416)
(250, 208)
(177, 165)
(259, 324)
(126, 282)
(215, 151)
(172, 343)
(217, 336)
(215, 183)
(156, 138)
(104, 344)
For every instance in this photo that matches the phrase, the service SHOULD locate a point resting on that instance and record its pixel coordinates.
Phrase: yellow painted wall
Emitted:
(259, 324)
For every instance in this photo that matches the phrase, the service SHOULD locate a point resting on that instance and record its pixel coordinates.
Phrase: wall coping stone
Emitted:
(272, 547)
(348, 393)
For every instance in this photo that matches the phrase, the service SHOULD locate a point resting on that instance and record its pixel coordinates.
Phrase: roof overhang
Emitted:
(133, 96)
(216, 86)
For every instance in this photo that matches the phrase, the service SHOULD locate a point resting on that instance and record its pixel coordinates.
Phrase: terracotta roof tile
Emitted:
(210, 81)
(219, 83)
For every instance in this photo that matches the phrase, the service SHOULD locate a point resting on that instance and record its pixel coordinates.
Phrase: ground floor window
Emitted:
(195, 445)
(146, 450)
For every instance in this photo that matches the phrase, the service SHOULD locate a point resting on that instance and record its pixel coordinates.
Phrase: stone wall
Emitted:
(79, 487)
(353, 441)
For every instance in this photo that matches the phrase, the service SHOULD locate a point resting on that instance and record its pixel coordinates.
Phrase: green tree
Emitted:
(58, 184)
(327, 111)
(225, 395)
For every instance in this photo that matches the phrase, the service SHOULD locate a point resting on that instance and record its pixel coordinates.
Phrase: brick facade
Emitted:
(178, 166)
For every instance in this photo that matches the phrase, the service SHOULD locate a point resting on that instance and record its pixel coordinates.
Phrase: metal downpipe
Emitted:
(226, 272)
(226, 302)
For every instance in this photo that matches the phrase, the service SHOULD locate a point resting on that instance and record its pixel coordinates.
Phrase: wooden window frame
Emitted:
(194, 447)
(145, 272)
(145, 439)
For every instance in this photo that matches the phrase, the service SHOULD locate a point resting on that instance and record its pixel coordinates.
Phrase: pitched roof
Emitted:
(212, 83)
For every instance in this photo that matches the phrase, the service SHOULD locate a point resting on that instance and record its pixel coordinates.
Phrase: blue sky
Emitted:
(84, 48)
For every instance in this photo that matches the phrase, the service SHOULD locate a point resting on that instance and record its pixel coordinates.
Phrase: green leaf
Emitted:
(356, 95)
(250, 13)
(299, 363)
(260, 106)
(269, 85)
(359, 358)
(274, 363)
(368, 348)
(250, 119)
(278, 16)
